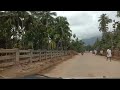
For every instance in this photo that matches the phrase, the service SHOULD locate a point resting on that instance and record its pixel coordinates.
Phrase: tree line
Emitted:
(110, 39)
(36, 30)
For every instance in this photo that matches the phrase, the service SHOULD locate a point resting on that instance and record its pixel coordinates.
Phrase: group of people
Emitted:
(109, 53)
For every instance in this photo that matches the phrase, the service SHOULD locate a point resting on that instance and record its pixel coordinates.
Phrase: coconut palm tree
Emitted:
(104, 21)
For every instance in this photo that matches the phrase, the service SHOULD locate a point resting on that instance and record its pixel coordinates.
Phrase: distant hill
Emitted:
(91, 41)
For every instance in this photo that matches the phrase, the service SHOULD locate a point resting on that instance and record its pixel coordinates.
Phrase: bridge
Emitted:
(56, 64)
(15, 62)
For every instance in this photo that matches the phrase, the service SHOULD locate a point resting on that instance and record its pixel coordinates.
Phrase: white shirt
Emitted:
(101, 51)
(109, 53)
(95, 51)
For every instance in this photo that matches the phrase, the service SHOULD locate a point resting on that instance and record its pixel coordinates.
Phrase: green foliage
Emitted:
(74, 36)
(89, 48)
(77, 45)
(109, 39)
(34, 29)
(104, 21)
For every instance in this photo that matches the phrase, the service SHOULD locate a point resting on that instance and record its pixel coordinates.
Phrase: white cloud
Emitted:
(85, 23)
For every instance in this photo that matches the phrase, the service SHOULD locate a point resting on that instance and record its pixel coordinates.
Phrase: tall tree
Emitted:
(103, 25)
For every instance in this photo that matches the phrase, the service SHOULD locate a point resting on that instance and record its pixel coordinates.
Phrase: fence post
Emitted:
(45, 54)
(64, 53)
(40, 55)
(55, 54)
(61, 53)
(58, 53)
(31, 55)
(67, 53)
(17, 56)
(50, 54)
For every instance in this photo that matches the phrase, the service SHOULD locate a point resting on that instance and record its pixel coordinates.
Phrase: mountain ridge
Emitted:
(91, 41)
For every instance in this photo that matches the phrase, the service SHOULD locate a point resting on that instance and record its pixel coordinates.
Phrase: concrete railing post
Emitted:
(56, 53)
(51, 54)
(64, 53)
(45, 54)
(39, 55)
(17, 57)
(60, 53)
(31, 55)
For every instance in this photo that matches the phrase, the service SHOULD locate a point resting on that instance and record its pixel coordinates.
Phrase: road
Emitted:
(88, 65)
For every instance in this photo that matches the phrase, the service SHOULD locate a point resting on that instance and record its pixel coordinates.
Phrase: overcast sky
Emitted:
(85, 23)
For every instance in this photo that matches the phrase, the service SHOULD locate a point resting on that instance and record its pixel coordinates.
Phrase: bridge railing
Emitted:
(9, 57)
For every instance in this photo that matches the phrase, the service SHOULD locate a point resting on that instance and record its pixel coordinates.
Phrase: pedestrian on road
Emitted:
(109, 55)
(90, 51)
(95, 51)
(82, 53)
(101, 52)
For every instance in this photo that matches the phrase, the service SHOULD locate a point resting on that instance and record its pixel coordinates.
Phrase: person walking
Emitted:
(101, 52)
(95, 51)
(109, 54)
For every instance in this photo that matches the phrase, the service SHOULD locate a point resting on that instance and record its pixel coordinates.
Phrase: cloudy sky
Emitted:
(85, 23)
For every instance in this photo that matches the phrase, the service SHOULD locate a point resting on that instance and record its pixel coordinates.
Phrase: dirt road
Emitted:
(87, 65)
